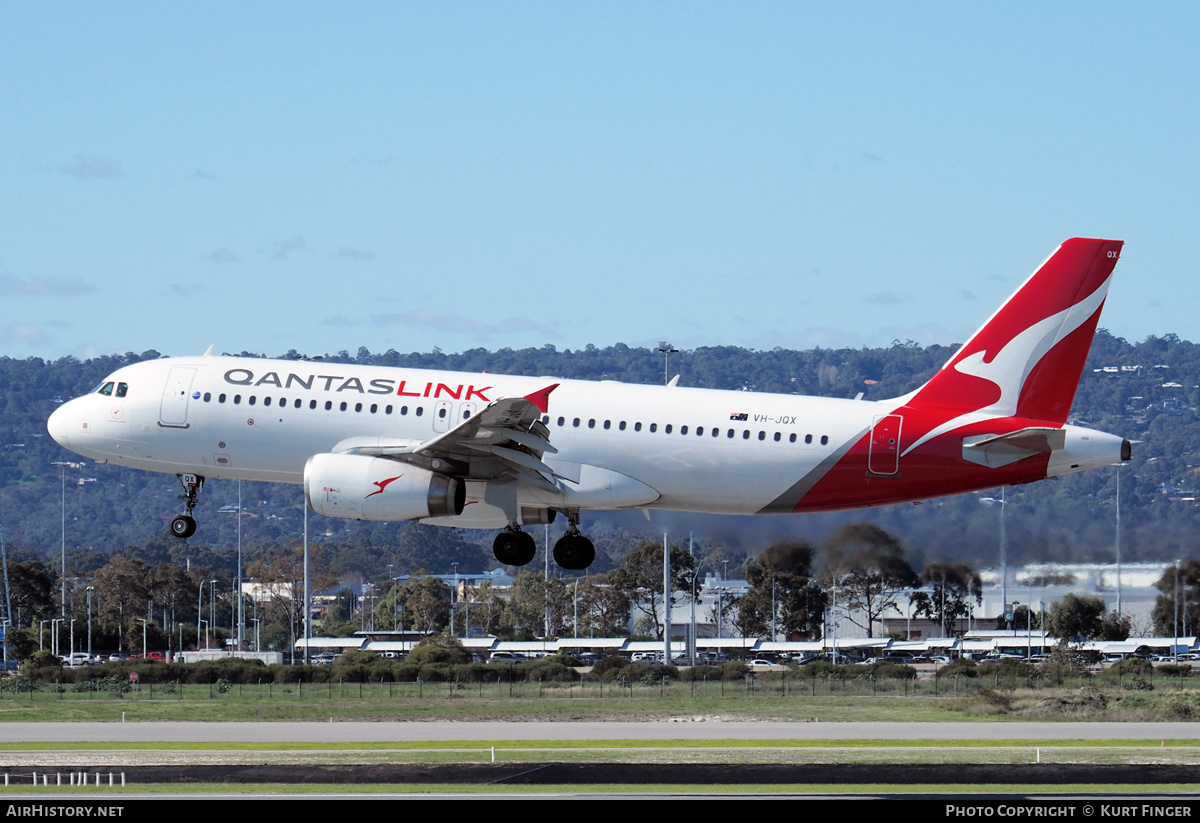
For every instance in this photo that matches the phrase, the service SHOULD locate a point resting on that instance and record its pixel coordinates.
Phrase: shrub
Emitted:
(546, 670)
(961, 668)
(612, 663)
(440, 648)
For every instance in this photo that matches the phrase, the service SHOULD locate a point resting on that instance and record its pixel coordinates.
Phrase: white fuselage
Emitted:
(698, 450)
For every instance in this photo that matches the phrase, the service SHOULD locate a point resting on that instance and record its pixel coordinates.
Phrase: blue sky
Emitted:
(269, 176)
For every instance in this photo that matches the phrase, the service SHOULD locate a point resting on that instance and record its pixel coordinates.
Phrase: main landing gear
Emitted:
(514, 547)
(573, 551)
(183, 526)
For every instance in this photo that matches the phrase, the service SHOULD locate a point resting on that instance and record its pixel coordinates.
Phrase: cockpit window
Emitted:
(106, 389)
(122, 388)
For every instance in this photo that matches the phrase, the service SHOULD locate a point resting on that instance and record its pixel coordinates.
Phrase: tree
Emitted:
(603, 607)
(1115, 626)
(280, 576)
(424, 604)
(123, 586)
(951, 588)
(640, 578)
(781, 579)
(32, 588)
(1023, 619)
(872, 572)
(483, 607)
(1180, 586)
(1076, 618)
(172, 590)
(529, 598)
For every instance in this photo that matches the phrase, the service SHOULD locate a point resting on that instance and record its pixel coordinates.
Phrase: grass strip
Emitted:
(516, 745)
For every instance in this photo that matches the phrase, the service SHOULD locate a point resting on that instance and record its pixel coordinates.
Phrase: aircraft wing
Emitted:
(506, 436)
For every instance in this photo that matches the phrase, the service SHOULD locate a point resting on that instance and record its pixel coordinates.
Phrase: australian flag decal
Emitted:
(740, 416)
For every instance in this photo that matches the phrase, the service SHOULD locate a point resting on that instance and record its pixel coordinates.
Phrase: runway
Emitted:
(442, 731)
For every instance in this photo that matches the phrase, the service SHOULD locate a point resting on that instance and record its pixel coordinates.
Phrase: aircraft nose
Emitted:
(57, 426)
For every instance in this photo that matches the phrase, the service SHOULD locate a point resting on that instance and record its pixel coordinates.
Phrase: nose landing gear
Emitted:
(183, 526)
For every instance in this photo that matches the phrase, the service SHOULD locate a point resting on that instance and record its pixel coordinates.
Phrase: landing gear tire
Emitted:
(183, 526)
(574, 552)
(514, 548)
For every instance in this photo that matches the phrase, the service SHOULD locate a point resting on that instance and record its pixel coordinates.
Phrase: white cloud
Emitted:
(92, 167)
(13, 286)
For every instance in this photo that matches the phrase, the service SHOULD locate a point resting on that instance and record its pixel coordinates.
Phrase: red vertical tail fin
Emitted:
(1027, 359)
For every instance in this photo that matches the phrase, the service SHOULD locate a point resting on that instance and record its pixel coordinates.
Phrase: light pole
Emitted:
(144, 623)
(241, 615)
(212, 611)
(454, 600)
(199, 615)
(666, 350)
(62, 467)
(90, 589)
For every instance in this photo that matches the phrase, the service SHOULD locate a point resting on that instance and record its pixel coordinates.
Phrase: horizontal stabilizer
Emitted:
(995, 450)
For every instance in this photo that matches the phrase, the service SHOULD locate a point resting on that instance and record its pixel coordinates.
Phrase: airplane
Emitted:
(502, 452)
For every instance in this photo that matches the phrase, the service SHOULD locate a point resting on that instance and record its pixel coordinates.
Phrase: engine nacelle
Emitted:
(373, 488)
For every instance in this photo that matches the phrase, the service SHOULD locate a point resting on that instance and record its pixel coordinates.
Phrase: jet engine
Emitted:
(373, 488)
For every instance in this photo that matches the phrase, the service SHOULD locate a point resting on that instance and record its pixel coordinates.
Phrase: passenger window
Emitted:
(374, 408)
(237, 399)
(777, 436)
(653, 427)
(220, 398)
(122, 388)
(328, 405)
(730, 433)
(562, 421)
(297, 403)
(762, 435)
(358, 407)
(621, 425)
(808, 438)
(404, 410)
(791, 438)
(207, 396)
(575, 422)
(312, 404)
(420, 411)
(592, 424)
(607, 424)
(699, 431)
(637, 427)
(387, 410)
(667, 429)
(441, 414)
(824, 440)
(745, 434)
(252, 399)
(266, 401)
